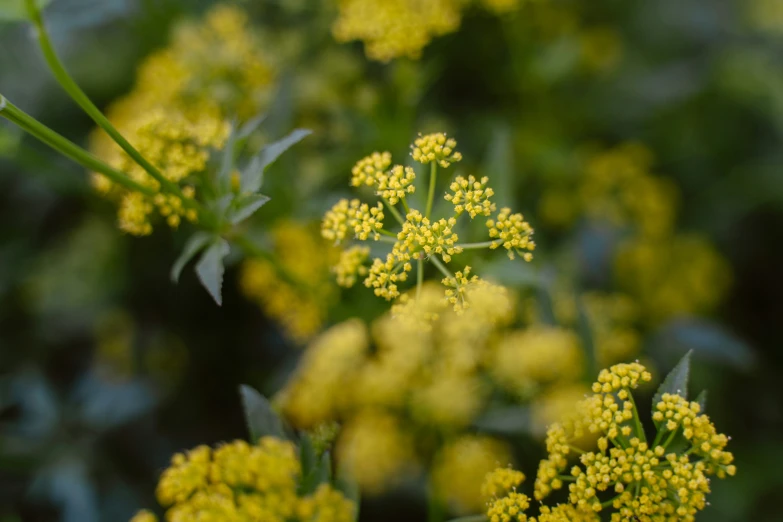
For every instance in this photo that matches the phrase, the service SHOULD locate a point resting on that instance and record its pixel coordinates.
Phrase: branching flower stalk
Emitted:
(422, 237)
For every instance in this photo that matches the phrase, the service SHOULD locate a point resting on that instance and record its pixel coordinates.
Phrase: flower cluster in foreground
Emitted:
(421, 237)
(613, 467)
(239, 482)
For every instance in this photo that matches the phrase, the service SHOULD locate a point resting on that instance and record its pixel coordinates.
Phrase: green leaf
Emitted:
(194, 245)
(677, 380)
(250, 127)
(261, 419)
(345, 483)
(307, 454)
(210, 268)
(511, 420)
(702, 400)
(246, 207)
(17, 10)
(227, 163)
(253, 176)
(319, 474)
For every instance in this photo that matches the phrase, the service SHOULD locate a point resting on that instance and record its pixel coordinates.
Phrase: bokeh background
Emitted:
(106, 368)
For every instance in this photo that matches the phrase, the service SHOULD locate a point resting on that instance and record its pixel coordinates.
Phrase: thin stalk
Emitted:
(385, 232)
(419, 276)
(440, 266)
(636, 420)
(75, 92)
(671, 438)
(431, 191)
(66, 147)
(387, 239)
(658, 438)
(405, 205)
(394, 211)
(476, 246)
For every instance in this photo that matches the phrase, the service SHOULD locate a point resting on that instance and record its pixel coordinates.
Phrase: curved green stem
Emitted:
(394, 211)
(476, 246)
(431, 191)
(636, 420)
(386, 239)
(440, 266)
(76, 93)
(670, 439)
(66, 147)
(385, 232)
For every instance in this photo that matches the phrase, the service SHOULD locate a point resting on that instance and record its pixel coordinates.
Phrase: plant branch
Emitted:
(431, 191)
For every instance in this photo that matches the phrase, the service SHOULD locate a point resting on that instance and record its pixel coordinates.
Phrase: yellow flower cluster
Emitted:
(472, 196)
(352, 218)
(526, 361)
(423, 379)
(647, 481)
(297, 289)
(179, 111)
(421, 237)
(402, 28)
(395, 28)
(238, 482)
(500, 481)
(509, 508)
(680, 275)
(513, 233)
(435, 148)
(351, 266)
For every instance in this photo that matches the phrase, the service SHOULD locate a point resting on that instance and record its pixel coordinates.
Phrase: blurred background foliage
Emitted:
(642, 140)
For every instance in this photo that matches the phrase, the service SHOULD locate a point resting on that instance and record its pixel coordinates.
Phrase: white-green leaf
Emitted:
(17, 9)
(250, 127)
(320, 473)
(194, 245)
(261, 419)
(246, 207)
(252, 177)
(210, 268)
(702, 400)
(677, 380)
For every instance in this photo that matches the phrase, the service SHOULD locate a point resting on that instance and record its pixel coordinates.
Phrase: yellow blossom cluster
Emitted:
(352, 218)
(421, 379)
(402, 28)
(471, 196)
(623, 473)
(296, 289)
(179, 110)
(421, 237)
(239, 482)
(500, 481)
(351, 266)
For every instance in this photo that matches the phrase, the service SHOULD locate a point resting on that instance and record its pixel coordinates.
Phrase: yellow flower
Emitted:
(352, 218)
(326, 505)
(377, 451)
(384, 276)
(499, 482)
(351, 266)
(513, 233)
(435, 148)
(419, 234)
(368, 170)
(471, 196)
(144, 516)
(510, 508)
(527, 360)
(395, 28)
(395, 185)
(459, 470)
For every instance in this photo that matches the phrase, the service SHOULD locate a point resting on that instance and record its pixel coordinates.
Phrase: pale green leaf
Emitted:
(252, 177)
(677, 380)
(261, 419)
(194, 245)
(210, 268)
(246, 207)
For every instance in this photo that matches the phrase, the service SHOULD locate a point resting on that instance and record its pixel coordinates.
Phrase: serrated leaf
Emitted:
(210, 269)
(17, 9)
(252, 177)
(246, 207)
(261, 419)
(676, 382)
(702, 400)
(193, 246)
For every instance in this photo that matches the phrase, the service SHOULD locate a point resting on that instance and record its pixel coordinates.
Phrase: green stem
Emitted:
(671, 438)
(66, 147)
(394, 211)
(431, 192)
(440, 266)
(76, 93)
(636, 420)
(419, 276)
(658, 437)
(476, 246)
(386, 239)
(405, 205)
(384, 232)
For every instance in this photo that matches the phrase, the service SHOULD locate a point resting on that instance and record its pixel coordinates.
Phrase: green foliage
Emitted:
(17, 9)
(676, 381)
(260, 417)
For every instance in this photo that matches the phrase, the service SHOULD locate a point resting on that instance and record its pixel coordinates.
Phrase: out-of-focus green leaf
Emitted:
(194, 245)
(499, 166)
(17, 9)
(252, 177)
(676, 382)
(261, 419)
(702, 400)
(210, 269)
(246, 207)
(345, 483)
(319, 474)
(512, 420)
